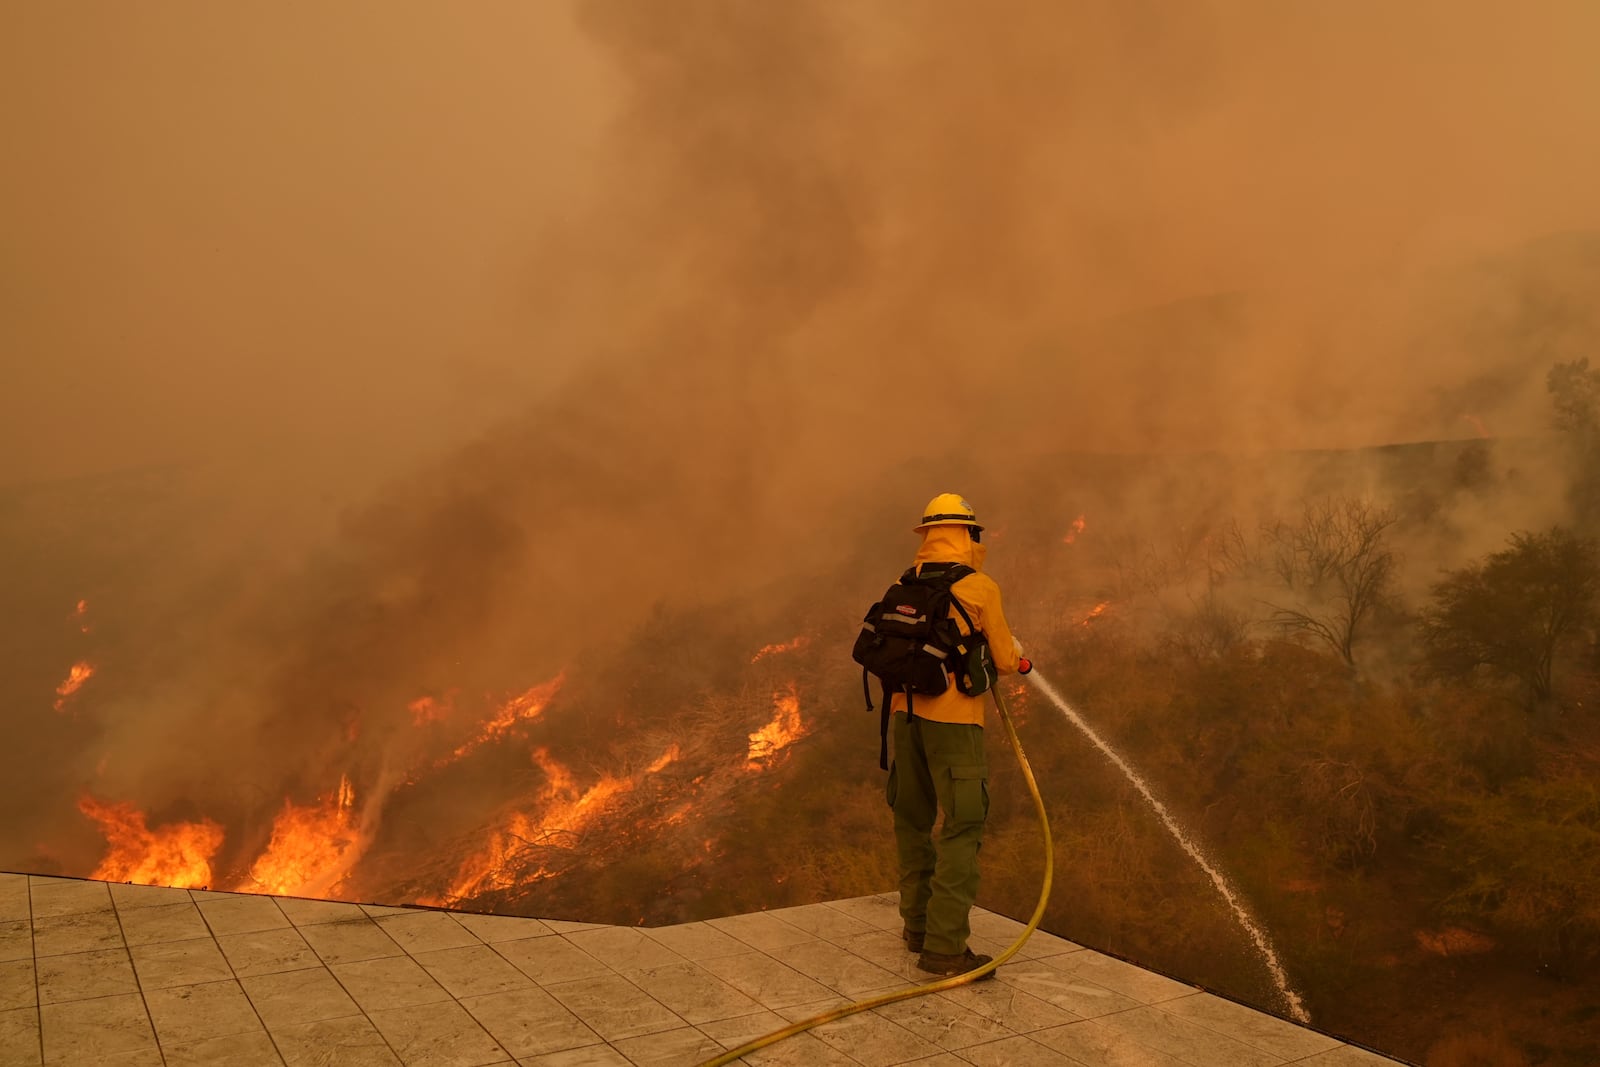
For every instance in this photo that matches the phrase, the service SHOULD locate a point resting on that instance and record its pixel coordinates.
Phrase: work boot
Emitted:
(913, 939)
(953, 963)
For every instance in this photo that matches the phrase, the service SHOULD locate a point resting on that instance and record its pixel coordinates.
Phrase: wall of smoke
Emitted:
(483, 335)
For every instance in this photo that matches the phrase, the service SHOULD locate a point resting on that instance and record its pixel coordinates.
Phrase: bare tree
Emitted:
(1190, 553)
(1211, 629)
(1336, 566)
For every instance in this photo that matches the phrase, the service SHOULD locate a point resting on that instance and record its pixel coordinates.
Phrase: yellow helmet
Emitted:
(948, 509)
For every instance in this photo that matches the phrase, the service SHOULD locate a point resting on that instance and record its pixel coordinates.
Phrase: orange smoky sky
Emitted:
(303, 228)
(365, 231)
(1127, 226)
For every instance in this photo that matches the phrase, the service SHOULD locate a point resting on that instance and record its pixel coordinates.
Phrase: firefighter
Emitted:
(939, 763)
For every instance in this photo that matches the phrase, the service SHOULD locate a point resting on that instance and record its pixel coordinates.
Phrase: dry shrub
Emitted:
(1529, 859)
(1342, 800)
(838, 871)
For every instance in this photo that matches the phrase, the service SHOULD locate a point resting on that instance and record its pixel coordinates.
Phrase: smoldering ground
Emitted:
(807, 245)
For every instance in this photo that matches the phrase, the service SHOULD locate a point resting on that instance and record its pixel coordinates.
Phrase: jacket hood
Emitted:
(950, 543)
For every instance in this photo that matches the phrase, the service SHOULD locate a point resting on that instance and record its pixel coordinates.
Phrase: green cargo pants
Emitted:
(938, 767)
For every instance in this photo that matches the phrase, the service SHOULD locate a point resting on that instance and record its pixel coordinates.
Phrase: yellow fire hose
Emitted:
(946, 983)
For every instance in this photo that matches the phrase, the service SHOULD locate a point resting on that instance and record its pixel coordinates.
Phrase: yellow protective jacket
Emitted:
(980, 595)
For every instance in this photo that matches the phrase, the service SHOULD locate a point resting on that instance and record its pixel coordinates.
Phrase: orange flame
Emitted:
(79, 612)
(559, 823)
(81, 672)
(1477, 425)
(1097, 611)
(570, 815)
(494, 867)
(788, 646)
(312, 848)
(178, 854)
(1077, 528)
(784, 730)
(521, 708)
(665, 760)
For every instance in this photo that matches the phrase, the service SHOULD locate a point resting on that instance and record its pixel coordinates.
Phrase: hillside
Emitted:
(715, 758)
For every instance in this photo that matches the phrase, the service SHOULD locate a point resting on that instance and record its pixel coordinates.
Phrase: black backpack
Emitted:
(911, 643)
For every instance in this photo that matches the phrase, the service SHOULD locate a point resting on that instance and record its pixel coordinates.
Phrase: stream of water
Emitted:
(1258, 937)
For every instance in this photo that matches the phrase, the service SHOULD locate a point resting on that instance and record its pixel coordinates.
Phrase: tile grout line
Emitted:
(544, 988)
(618, 974)
(237, 981)
(33, 949)
(499, 1044)
(138, 984)
(361, 1010)
(453, 998)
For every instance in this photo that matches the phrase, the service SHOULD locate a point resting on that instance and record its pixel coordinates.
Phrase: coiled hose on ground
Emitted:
(945, 983)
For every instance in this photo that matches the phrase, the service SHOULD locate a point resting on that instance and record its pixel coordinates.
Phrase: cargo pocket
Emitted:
(894, 777)
(969, 794)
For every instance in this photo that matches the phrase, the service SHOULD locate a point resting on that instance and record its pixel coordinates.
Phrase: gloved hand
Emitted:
(1024, 665)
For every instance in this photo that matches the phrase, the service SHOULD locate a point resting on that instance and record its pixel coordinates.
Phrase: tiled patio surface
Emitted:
(94, 973)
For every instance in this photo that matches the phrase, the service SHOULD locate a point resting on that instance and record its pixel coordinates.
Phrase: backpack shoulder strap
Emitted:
(950, 574)
(962, 611)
